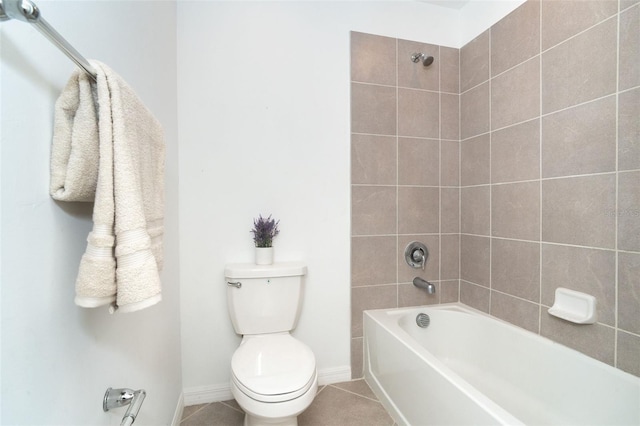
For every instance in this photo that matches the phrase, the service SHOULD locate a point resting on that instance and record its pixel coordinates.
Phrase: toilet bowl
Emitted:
(273, 375)
(273, 379)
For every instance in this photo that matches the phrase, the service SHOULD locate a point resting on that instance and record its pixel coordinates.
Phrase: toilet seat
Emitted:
(273, 367)
(277, 397)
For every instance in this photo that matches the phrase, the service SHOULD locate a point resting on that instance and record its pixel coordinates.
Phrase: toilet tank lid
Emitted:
(251, 270)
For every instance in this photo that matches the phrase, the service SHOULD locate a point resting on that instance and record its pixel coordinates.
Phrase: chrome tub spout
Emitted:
(425, 285)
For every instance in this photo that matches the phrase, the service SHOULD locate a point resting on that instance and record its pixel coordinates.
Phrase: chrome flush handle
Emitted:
(237, 284)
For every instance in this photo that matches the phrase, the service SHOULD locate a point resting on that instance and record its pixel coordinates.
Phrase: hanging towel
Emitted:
(109, 148)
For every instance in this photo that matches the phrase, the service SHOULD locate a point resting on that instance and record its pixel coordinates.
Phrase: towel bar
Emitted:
(27, 11)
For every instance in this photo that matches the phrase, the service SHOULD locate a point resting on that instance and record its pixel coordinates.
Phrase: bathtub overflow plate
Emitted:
(423, 320)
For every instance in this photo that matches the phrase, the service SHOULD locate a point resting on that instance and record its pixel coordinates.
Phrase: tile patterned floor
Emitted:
(340, 404)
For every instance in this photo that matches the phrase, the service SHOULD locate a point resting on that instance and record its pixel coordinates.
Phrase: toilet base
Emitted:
(250, 420)
(274, 414)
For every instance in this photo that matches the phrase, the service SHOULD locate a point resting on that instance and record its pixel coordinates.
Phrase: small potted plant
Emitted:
(264, 231)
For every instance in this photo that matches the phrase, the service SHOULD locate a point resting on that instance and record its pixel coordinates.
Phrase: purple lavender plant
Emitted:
(264, 231)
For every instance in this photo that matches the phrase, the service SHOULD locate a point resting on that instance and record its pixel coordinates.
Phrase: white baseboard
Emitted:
(206, 394)
(334, 375)
(177, 415)
(222, 391)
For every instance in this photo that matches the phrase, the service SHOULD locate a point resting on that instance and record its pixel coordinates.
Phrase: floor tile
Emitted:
(359, 387)
(334, 406)
(188, 411)
(348, 403)
(214, 414)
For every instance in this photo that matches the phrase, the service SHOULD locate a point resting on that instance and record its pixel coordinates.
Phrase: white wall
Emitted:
(263, 91)
(58, 359)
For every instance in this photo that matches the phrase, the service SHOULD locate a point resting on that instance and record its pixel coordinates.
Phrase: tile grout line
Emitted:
(552, 243)
(490, 178)
(197, 411)
(397, 85)
(542, 115)
(230, 406)
(578, 34)
(542, 51)
(440, 115)
(612, 172)
(354, 393)
(540, 258)
(459, 177)
(617, 203)
(397, 230)
(547, 114)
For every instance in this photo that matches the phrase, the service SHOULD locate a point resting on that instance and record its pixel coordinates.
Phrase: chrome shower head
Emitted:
(426, 60)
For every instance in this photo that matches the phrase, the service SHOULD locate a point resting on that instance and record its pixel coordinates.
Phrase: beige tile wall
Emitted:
(517, 160)
(404, 175)
(550, 171)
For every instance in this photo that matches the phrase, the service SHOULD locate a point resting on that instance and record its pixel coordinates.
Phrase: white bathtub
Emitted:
(468, 368)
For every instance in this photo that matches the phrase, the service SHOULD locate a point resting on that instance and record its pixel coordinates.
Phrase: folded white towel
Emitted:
(114, 157)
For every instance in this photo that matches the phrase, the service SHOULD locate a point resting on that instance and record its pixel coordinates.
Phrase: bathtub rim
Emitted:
(386, 318)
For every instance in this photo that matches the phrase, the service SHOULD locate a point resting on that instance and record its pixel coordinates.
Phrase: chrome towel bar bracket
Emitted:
(116, 398)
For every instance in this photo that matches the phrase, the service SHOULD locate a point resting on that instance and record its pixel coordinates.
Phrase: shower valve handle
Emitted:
(416, 255)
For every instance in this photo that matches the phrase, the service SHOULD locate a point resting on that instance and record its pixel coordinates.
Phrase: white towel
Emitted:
(109, 148)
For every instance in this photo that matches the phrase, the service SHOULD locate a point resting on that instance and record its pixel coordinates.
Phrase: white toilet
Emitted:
(273, 375)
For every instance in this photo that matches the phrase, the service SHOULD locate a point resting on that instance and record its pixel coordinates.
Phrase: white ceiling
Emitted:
(452, 4)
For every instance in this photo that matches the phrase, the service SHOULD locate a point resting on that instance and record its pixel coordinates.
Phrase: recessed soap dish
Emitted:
(570, 305)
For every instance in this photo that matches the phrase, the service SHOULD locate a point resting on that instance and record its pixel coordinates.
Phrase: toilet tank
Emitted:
(264, 298)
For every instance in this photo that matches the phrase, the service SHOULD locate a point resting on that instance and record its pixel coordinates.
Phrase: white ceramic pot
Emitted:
(264, 255)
